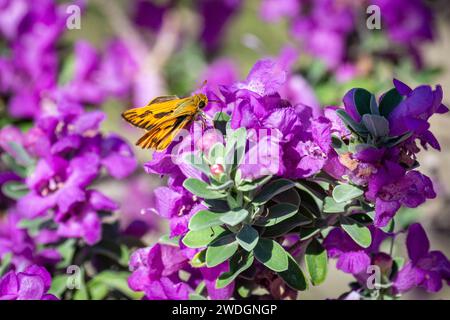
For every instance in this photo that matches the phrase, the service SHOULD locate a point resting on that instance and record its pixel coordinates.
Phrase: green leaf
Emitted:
(14, 189)
(200, 189)
(350, 123)
(362, 99)
(59, 285)
(374, 106)
(346, 192)
(238, 264)
(220, 250)
(6, 260)
(196, 296)
(313, 188)
(32, 225)
(331, 206)
(204, 219)
(339, 145)
(234, 217)
(359, 233)
(271, 254)
(201, 238)
(287, 225)
(197, 162)
(199, 259)
(114, 281)
(222, 186)
(378, 126)
(67, 250)
(277, 214)
(389, 102)
(235, 147)
(247, 237)
(290, 196)
(166, 239)
(249, 186)
(316, 262)
(294, 276)
(21, 155)
(272, 189)
(217, 153)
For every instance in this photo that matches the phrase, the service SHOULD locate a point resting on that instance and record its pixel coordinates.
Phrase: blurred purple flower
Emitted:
(31, 284)
(155, 271)
(426, 269)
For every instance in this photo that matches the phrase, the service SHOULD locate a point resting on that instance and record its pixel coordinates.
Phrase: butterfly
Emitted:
(164, 117)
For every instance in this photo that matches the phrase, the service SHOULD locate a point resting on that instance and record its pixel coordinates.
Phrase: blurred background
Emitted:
(158, 47)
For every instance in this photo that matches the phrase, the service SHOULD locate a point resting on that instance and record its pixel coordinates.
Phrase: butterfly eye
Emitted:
(201, 104)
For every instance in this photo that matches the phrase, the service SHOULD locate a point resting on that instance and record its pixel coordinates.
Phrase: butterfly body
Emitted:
(164, 117)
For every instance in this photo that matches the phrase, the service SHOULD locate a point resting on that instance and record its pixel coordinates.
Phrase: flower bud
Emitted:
(217, 169)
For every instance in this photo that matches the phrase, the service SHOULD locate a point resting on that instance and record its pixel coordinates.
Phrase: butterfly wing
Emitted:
(160, 136)
(146, 117)
(162, 133)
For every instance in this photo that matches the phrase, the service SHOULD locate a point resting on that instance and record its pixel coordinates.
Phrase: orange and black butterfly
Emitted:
(164, 117)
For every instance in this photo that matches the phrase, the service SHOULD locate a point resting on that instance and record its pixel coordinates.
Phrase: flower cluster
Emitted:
(69, 153)
(269, 182)
(378, 149)
(326, 28)
(50, 166)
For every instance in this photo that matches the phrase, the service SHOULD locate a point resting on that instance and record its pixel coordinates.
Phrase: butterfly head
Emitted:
(201, 100)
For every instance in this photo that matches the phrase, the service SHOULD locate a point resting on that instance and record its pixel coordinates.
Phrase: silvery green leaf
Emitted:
(339, 145)
(222, 186)
(362, 100)
(200, 189)
(358, 232)
(234, 217)
(272, 189)
(249, 186)
(346, 192)
(350, 123)
(389, 102)
(378, 126)
(217, 153)
(197, 162)
(247, 237)
(374, 106)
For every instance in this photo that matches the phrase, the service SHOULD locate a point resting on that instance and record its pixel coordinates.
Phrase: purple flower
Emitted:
(391, 187)
(412, 114)
(31, 32)
(155, 271)
(216, 14)
(426, 268)
(273, 10)
(31, 284)
(22, 246)
(352, 258)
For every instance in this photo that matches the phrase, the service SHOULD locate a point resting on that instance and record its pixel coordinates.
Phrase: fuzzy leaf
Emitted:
(389, 102)
(316, 262)
(294, 276)
(277, 214)
(271, 254)
(204, 219)
(200, 189)
(359, 233)
(238, 264)
(346, 192)
(247, 237)
(234, 217)
(220, 250)
(201, 238)
(272, 189)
